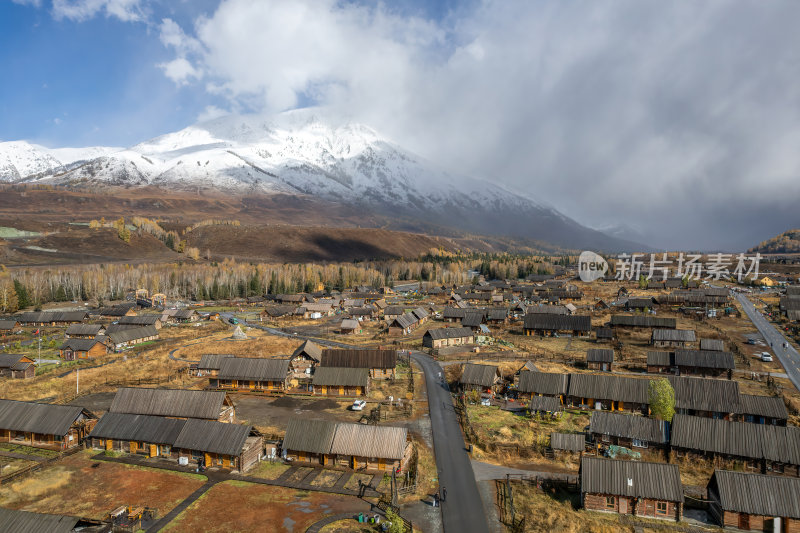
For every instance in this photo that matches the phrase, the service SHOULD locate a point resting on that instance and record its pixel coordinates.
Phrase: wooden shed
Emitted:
(754, 502)
(483, 378)
(253, 374)
(381, 363)
(340, 381)
(16, 366)
(439, 338)
(42, 425)
(174, 403)
(631, 431)
(600, 359)
(79, 348)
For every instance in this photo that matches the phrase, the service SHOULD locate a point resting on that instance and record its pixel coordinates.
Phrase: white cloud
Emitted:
(80, 10)
(179, 70)
(211, 112)
(34, 3)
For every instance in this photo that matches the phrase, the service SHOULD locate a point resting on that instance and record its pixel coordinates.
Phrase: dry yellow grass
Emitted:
(258, 344)
(30, 488)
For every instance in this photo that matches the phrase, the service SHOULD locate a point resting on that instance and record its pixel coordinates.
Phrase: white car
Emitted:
(766, 357)
(358, 405)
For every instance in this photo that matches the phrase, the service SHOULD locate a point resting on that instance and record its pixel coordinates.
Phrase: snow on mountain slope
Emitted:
(303, 152)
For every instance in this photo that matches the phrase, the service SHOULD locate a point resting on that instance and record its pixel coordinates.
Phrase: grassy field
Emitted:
(235, 506)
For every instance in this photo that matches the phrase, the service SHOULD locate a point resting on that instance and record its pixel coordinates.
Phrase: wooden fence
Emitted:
(38, 466)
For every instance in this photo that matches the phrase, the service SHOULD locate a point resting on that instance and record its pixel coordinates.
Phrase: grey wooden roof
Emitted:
(674, 335)
(757, 494)
(392, 310)
(79, 345)
(53, 316)
(550, 404)
(635, 479)
(642, 321)
(719, 395)
(141, 320)
(8, 325)
(705, 359)
(211, 361)
(740, 439)
(472, 319)
(212, 436)
(360, 440)
(629, 426)
(604, 387)
(639, 303)
(570, 442)
(406, 320)
(331, 376)
(449, 333)
(558, 322)
(547, 310)
(483, 375)
(84, 329)
(604, 333)
(354, 358)
(543, 383)
(169, 402)
(770, 406)
(712, 344)
(312, 436)
(254, 369)
(13, 521)
(660, 358)
(43, 418)
(140, 428)
(310, 349)
(599, 355)
(128, 335)
(10, 360)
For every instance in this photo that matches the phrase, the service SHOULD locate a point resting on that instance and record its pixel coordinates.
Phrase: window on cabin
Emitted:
(611, 502)
(606, 437)
(661, 508)
(639, 443)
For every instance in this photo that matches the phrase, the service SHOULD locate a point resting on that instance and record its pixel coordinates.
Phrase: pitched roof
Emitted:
(705, 359)
(392, 310)
(349, 323)
(255, 369)
(312, 436)
(701, 394)
(140, 428)
(127, 335)
(406, 320)
(212, 436)
(331, 376)
(604, 333)
(674, 335)
(712, 344)
(13, 521)
(310, 349)
(7, 325)
(483, 375)
(543, 383)
(211, 361)
(168, 402)
(604, 387)
(43, 418)
(757, 494)
(599, 355)
(547, 310)
(629, 426)
(354, 358)
(141, 320)
(472, 319)
(641, 321)
(84, 329)
(660, 358)
(360, 440)
(769, 406)
(558, 322)
(12, 361)
(571, 442)
(545, 403)
(631, 478)
(79, 345)
(449, 333)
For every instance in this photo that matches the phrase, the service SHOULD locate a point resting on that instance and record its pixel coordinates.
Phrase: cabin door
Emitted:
(623, 506)
(109, 444)
(134, 447)
(341, 391)
(744, 521)
(207, 459)
(153, 450)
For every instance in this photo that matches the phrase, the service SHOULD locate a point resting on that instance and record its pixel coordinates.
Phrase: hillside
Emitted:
(787, 242)
(313, 157)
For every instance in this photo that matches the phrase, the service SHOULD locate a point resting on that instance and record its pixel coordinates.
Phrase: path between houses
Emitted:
(26, 457)
(181, 507)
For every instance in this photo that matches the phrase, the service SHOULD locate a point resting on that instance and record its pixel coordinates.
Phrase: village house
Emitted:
(546, 324)
(762, 410)
(715, 345)
(542, 384)
(42, 425)
(52, 318)
(483, 378)
(8, 326)
(473, 319)
(210, 362)
(600, 359)
(403, 325)
(305, 358)
(340, 444)
(639, 304)
(439, 338)
(712, 398)
(251, 374)
(80, 348)
(314, 311)
(547, 310)
(340, 381)
(125, 338)
(672, 338)
(14, 521)
(381, 363)
(362, 314)
(614, 393)
(453, 314)
(393, 311)
(660, 362)
(84, 331)
(568, 443)
(651, 490)
(207, 442)
(174, 403)
(141, 320)
(642, 321)
(762, 448)
(16, 366)
(631, 431)
(604, 334)
(704, 363)
(544, 405)
(178, 316)
(115, 312)
(754, 502)
(349, 326)
(277, 311)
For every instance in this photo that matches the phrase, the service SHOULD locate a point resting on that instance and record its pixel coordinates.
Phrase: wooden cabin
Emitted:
(210, 362)
(43, 425)
(439, 338)
(80, 348)
(381, 363)
(125, 338)
(651, 490)
(672, 338)
(631, 431)
(754, 502)
(174, 403)
(16, 366)
(483, 378)
(549, 324)
(84, 331)
(246, 374)
(340, 381)
(600, 359)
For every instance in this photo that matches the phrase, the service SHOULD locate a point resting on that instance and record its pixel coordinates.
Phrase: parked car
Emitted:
(766, 357)
(358, 405)
(486, 402)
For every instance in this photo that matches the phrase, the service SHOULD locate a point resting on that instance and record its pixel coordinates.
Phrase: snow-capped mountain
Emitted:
(303, 152)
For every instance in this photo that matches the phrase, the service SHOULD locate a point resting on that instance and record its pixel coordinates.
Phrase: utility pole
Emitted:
(77, 380)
